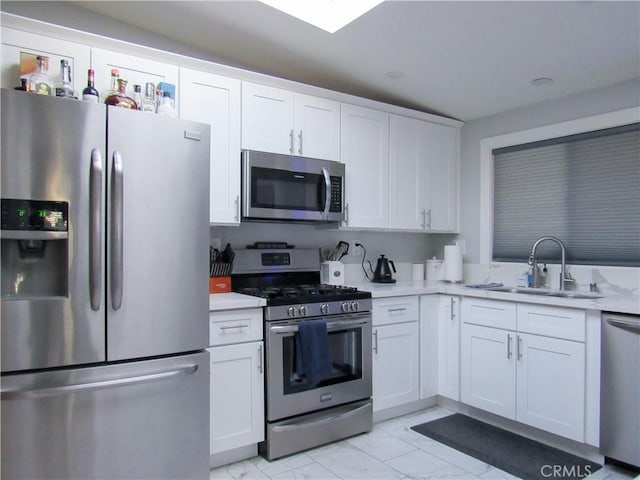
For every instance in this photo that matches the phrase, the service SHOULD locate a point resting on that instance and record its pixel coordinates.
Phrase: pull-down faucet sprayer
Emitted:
(564, 276)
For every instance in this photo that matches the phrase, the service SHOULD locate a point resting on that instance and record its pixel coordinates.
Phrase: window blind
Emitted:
(583, 189)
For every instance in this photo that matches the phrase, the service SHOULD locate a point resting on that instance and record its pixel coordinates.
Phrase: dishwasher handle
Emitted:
(631, 325)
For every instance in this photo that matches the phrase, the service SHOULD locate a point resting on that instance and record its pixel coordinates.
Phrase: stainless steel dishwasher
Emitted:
(620, 389)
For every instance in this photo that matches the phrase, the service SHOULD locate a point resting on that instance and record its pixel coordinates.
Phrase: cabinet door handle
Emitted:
(375, 341)
(429, 216)
(300, 143)
(346, 214)
(509, 346)
(229, 327)
(291, 141)
(260, 359)
(519, 347)
(237, 202)
(399, 309)
(453, 304)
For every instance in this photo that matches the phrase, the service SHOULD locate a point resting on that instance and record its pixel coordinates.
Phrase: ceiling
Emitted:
(462, 59)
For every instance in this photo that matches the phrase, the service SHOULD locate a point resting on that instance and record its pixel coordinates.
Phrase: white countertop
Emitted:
(618, 304)
(233, 301)
(615, 303)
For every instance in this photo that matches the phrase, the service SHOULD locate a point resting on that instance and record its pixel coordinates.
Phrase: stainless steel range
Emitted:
(318, 350)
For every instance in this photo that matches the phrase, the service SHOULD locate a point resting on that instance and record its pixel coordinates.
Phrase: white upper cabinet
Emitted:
(317, 127)
(135, 70)
(423, 160)
(267, 119)
(365, 152)
(281, 121)
(444, 153)
(17, 44)
(215, 100)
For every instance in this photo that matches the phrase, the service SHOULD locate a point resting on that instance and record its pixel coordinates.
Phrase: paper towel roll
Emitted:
(417, 272)
(453, 263)
(432, 270)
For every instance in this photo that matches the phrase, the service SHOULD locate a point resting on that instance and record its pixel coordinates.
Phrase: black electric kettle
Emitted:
(382, 273)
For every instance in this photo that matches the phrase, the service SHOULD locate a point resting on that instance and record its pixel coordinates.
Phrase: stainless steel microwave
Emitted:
(286, 187)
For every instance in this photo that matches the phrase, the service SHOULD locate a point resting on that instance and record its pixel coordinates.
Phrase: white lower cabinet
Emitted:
(551, 385)
(395, 365)
(236, 379)
(395, 362)
(488, 374)
(532, 378)
(429, 315)
(236, 392)
(449, 346)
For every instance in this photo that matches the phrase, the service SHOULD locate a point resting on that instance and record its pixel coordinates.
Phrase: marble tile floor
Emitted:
(390, 451)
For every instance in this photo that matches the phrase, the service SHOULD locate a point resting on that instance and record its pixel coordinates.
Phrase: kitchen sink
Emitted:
(545, 292)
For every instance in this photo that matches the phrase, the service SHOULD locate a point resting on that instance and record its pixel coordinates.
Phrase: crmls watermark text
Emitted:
(561, 471)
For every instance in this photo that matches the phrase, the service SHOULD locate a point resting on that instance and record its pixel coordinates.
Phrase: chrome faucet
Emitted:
(564, 276)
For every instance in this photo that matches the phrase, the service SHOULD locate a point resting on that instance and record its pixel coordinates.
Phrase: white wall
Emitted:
(617, 97)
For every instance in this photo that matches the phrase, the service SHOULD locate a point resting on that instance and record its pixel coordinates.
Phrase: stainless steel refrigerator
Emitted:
(104, 292)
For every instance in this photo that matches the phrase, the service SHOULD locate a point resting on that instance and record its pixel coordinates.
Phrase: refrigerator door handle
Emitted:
(117, 197)
(95, 229)
(84, 387)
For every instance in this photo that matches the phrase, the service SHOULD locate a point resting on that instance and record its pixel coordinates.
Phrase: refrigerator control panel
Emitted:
(34, 215)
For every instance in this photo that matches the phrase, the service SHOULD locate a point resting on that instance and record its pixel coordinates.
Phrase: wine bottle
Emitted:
(90, 94)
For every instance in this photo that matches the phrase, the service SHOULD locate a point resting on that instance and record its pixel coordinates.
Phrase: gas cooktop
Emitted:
(295, 294)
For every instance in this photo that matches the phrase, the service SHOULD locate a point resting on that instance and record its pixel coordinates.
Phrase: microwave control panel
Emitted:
(336, 194)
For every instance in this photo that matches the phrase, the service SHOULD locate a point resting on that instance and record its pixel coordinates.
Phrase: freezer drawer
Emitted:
(138, 420)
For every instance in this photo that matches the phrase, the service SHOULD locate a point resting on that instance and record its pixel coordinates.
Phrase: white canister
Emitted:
(332, 273)
(432, 269)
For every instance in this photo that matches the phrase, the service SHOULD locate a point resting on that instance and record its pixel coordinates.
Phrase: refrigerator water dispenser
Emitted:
(34, 249)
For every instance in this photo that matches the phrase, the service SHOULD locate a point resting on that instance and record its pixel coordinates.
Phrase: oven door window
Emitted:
(286, 190)
(345, 347)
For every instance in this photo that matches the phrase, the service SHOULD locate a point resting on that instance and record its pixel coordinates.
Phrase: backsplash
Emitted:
(401, 247)
(405, 248)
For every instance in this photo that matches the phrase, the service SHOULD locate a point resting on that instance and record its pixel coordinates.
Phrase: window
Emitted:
(583, 189)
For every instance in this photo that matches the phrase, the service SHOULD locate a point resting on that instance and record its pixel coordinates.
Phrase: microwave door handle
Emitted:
(327, 192)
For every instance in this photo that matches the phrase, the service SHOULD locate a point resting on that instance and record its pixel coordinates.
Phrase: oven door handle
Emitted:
(331, 326)
(322, 421)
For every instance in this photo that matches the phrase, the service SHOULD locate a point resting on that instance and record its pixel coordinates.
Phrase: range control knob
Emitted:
(345, 306)
(324, 308)
(355, 306)
(304, 311)
(291, 311)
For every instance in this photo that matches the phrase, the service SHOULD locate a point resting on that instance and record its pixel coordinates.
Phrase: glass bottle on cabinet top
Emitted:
(113, 88)
(64, 87)
(90, 94)
(39, 81)
(120, 98)
(166, 108)
(149, 100)
(137, 95)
